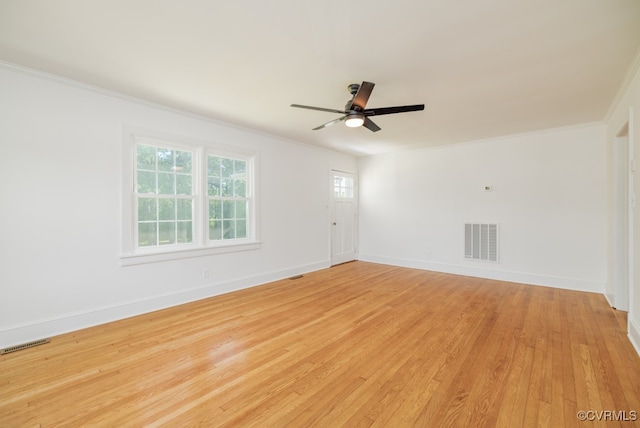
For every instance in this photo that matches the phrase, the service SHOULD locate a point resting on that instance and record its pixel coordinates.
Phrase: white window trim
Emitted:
(130, 254)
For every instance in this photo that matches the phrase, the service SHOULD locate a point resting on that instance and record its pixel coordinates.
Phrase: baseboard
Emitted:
(634, 333)
(609, 296)
(17, 334)
(488, 273)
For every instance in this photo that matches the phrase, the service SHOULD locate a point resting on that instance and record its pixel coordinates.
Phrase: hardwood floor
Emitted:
(356, 345)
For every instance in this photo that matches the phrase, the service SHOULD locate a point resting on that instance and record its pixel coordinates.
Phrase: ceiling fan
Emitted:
(355, 113)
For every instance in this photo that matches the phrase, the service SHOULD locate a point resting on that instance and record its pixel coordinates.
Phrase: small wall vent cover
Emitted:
(481, 241)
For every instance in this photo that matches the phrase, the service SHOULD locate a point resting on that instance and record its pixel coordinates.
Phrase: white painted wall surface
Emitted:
(61, 210)
(548, 197)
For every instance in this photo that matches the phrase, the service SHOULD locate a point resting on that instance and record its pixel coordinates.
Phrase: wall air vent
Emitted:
(481, 241)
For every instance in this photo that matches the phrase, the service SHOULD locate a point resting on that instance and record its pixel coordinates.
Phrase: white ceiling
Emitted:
(482, 68)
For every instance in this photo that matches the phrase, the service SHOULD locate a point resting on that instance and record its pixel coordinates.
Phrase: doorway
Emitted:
(343, 217)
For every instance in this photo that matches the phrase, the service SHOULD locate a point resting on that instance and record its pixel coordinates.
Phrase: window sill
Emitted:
(144, 258)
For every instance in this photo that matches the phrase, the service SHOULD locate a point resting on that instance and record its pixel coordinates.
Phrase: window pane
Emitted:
(226, 167)
(165, 159)
(184, 232)
(185, 209)
(146, 182)
(348, 192)
(166, 209)
(348, 187)
(213, 185)
(183, 162)
(215, 209)
(241, 209)
(147, 234)
(183, 184)
(239, 168)
(215, 230)
(147, 209)
(240, 188)
(228, 229)
(227, 187)
(241, 228)
(167, 233)
(337, 184)
(165, 183)
(228, 209)
(146, 157)
(213, 166)
(343, 187)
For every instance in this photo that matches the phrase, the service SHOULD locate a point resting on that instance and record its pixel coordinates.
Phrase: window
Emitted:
(342, 187)
(164, 196)
(227, 197)
(185, 199)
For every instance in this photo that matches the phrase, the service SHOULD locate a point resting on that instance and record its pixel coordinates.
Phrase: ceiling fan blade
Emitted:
(333, 122)
(392, 110)
(362, 96)
(329, 110)
(368, 123)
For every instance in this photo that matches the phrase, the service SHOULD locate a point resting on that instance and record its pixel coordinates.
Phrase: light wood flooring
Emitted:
(356, 345)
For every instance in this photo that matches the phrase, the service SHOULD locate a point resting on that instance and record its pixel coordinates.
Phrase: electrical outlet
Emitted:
(205, 273)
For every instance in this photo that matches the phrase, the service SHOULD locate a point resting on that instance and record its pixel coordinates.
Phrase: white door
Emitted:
(622, 237)
(343, 217)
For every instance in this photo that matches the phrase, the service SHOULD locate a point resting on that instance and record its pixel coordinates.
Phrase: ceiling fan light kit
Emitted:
(355, 114)
(354, 120)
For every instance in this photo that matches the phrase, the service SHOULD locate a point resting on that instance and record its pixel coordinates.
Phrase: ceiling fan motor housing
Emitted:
(348, 107)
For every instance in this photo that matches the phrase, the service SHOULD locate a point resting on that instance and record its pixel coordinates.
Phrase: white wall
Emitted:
(548, 197)
(628, 104)
(61, 219)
